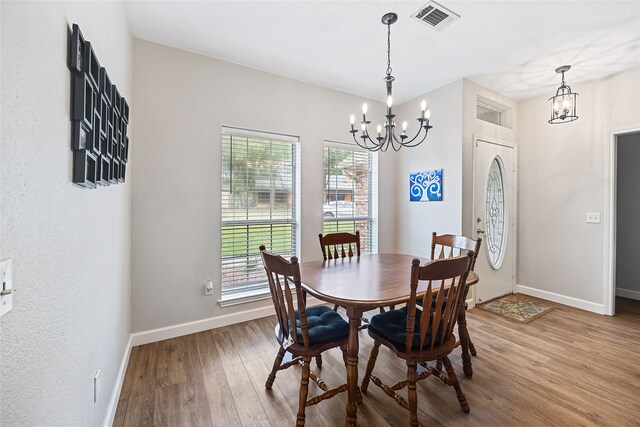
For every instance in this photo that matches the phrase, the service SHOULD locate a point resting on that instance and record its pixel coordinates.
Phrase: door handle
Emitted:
(480, 231)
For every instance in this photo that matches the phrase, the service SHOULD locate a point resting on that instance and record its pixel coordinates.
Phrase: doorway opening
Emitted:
(624, 220)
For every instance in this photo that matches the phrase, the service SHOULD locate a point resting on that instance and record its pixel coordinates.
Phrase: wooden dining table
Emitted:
(363, 283)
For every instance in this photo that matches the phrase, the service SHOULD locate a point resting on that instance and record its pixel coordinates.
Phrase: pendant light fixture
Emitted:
(563, 104)
(388, 138)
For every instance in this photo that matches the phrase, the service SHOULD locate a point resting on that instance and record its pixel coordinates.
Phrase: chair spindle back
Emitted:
(450, 245)
(339, 245)
(280, 274)
(441, 317)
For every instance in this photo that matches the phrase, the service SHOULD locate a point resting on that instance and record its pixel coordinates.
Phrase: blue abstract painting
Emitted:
(425, 186)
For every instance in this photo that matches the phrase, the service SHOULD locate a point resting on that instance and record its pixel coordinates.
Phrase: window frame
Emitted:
(372, 172)
(258, 289)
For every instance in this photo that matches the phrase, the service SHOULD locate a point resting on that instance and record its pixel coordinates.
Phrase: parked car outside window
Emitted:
(340, 208)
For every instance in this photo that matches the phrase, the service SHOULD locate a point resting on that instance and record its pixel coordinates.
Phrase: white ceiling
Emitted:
(512, 47)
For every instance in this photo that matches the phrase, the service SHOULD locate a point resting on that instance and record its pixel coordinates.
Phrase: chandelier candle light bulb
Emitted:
(382, 143)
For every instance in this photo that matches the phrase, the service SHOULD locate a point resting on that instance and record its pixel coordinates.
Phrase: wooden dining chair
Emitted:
(316, 329)
(342, 245)
(420, 336)
(333, 245)
(447, 246)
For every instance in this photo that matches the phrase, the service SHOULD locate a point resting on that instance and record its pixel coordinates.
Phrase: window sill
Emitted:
(244, 297)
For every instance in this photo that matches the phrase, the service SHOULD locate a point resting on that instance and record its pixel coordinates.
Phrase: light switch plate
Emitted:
(593, 217)
(6, 274)
(208, 288)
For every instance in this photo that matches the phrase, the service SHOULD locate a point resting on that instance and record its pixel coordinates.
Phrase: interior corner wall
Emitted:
(184, 101)
(70, 246)
(562, 176)
(415, 221)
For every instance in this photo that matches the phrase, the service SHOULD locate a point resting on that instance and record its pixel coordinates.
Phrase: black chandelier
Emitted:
(563, 104)
(389, 139)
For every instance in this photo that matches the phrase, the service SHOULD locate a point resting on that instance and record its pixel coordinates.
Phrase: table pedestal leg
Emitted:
(464, 342)
(352, 366)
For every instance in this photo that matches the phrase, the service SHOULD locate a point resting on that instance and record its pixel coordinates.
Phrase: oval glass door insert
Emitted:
(495, 230)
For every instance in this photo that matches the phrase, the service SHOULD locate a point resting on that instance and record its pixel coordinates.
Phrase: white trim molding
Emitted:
(628, 293)
(561, 299)
(117, 386)
(168, 332)
(238, 298)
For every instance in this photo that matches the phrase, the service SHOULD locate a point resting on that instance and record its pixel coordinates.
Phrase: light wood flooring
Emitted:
(569, 367)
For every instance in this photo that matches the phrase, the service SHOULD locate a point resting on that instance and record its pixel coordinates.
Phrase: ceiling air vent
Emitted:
(435, 15)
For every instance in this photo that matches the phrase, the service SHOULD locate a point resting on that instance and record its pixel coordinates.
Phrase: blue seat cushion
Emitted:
(323, 324)
(392, 325)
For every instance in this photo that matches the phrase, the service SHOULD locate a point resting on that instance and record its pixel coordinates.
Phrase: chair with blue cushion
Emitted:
(447, 246)
(303, 332)
(420, 336)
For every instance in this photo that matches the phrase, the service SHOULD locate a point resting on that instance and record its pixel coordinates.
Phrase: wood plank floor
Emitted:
(569, 367)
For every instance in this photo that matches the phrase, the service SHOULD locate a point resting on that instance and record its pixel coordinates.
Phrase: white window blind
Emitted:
(349, 193)
(258, 204)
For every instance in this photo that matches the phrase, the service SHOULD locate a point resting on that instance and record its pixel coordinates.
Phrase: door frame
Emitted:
(514, 189)
(611, 188)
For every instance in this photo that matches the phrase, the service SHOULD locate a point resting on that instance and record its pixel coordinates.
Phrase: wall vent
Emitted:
(435, 15)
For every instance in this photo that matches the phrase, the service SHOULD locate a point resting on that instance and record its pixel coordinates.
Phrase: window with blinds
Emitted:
(258, 204)
(349, 193)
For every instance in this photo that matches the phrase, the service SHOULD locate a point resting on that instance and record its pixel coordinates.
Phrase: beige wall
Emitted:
(562, 176)
(70, 246)
(183, 100)
(441, 150)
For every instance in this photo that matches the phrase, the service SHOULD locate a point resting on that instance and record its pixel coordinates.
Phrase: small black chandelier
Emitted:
(389, 139)
(563, 104)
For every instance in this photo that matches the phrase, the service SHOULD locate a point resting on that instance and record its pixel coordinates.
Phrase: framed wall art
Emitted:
(99, 115)
(425, 186)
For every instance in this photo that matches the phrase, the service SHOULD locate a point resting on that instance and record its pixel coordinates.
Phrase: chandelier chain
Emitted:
(389, 49)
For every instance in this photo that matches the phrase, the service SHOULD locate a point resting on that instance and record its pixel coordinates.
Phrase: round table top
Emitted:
(369, 280)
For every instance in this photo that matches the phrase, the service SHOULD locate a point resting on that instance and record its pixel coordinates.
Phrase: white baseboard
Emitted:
(117, 387)
(168, 332)
(628, 293)
(561, 299)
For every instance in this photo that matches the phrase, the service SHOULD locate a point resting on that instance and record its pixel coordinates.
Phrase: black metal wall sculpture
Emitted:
(100, 116)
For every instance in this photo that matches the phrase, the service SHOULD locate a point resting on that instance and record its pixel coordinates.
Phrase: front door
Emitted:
(494, 218)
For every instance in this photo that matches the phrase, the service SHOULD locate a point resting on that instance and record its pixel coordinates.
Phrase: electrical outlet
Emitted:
(97, 387)
(593, 217)
(6, 293)
(208, 288)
